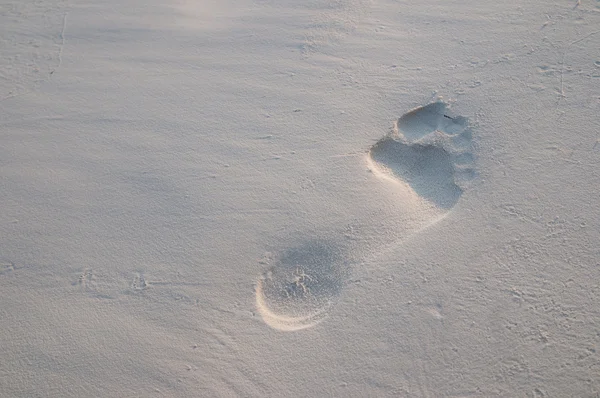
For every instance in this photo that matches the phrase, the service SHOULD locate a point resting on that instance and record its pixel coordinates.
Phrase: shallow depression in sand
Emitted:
(296, 290)
(428, 157)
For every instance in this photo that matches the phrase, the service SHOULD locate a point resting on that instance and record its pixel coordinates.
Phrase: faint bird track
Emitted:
(428, 157)
(6, 267)
(85, 279)
(139, 282)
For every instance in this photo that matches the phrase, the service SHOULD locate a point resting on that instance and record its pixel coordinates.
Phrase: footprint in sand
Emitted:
(428, 158)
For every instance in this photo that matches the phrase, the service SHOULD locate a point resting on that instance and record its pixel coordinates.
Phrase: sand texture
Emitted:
(350, 198)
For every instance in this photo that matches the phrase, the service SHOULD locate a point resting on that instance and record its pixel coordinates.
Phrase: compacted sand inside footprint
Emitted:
(426, 168)
(296, 291)
(427, 162)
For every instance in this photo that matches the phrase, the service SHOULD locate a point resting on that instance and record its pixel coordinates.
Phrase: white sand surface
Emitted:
(283, 198)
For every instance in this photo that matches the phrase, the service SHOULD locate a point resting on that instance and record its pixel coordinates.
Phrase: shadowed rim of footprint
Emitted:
(428, 152)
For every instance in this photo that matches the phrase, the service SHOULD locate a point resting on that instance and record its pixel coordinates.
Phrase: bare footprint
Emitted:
(298, 288)
(430, 151)
(427, 158)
